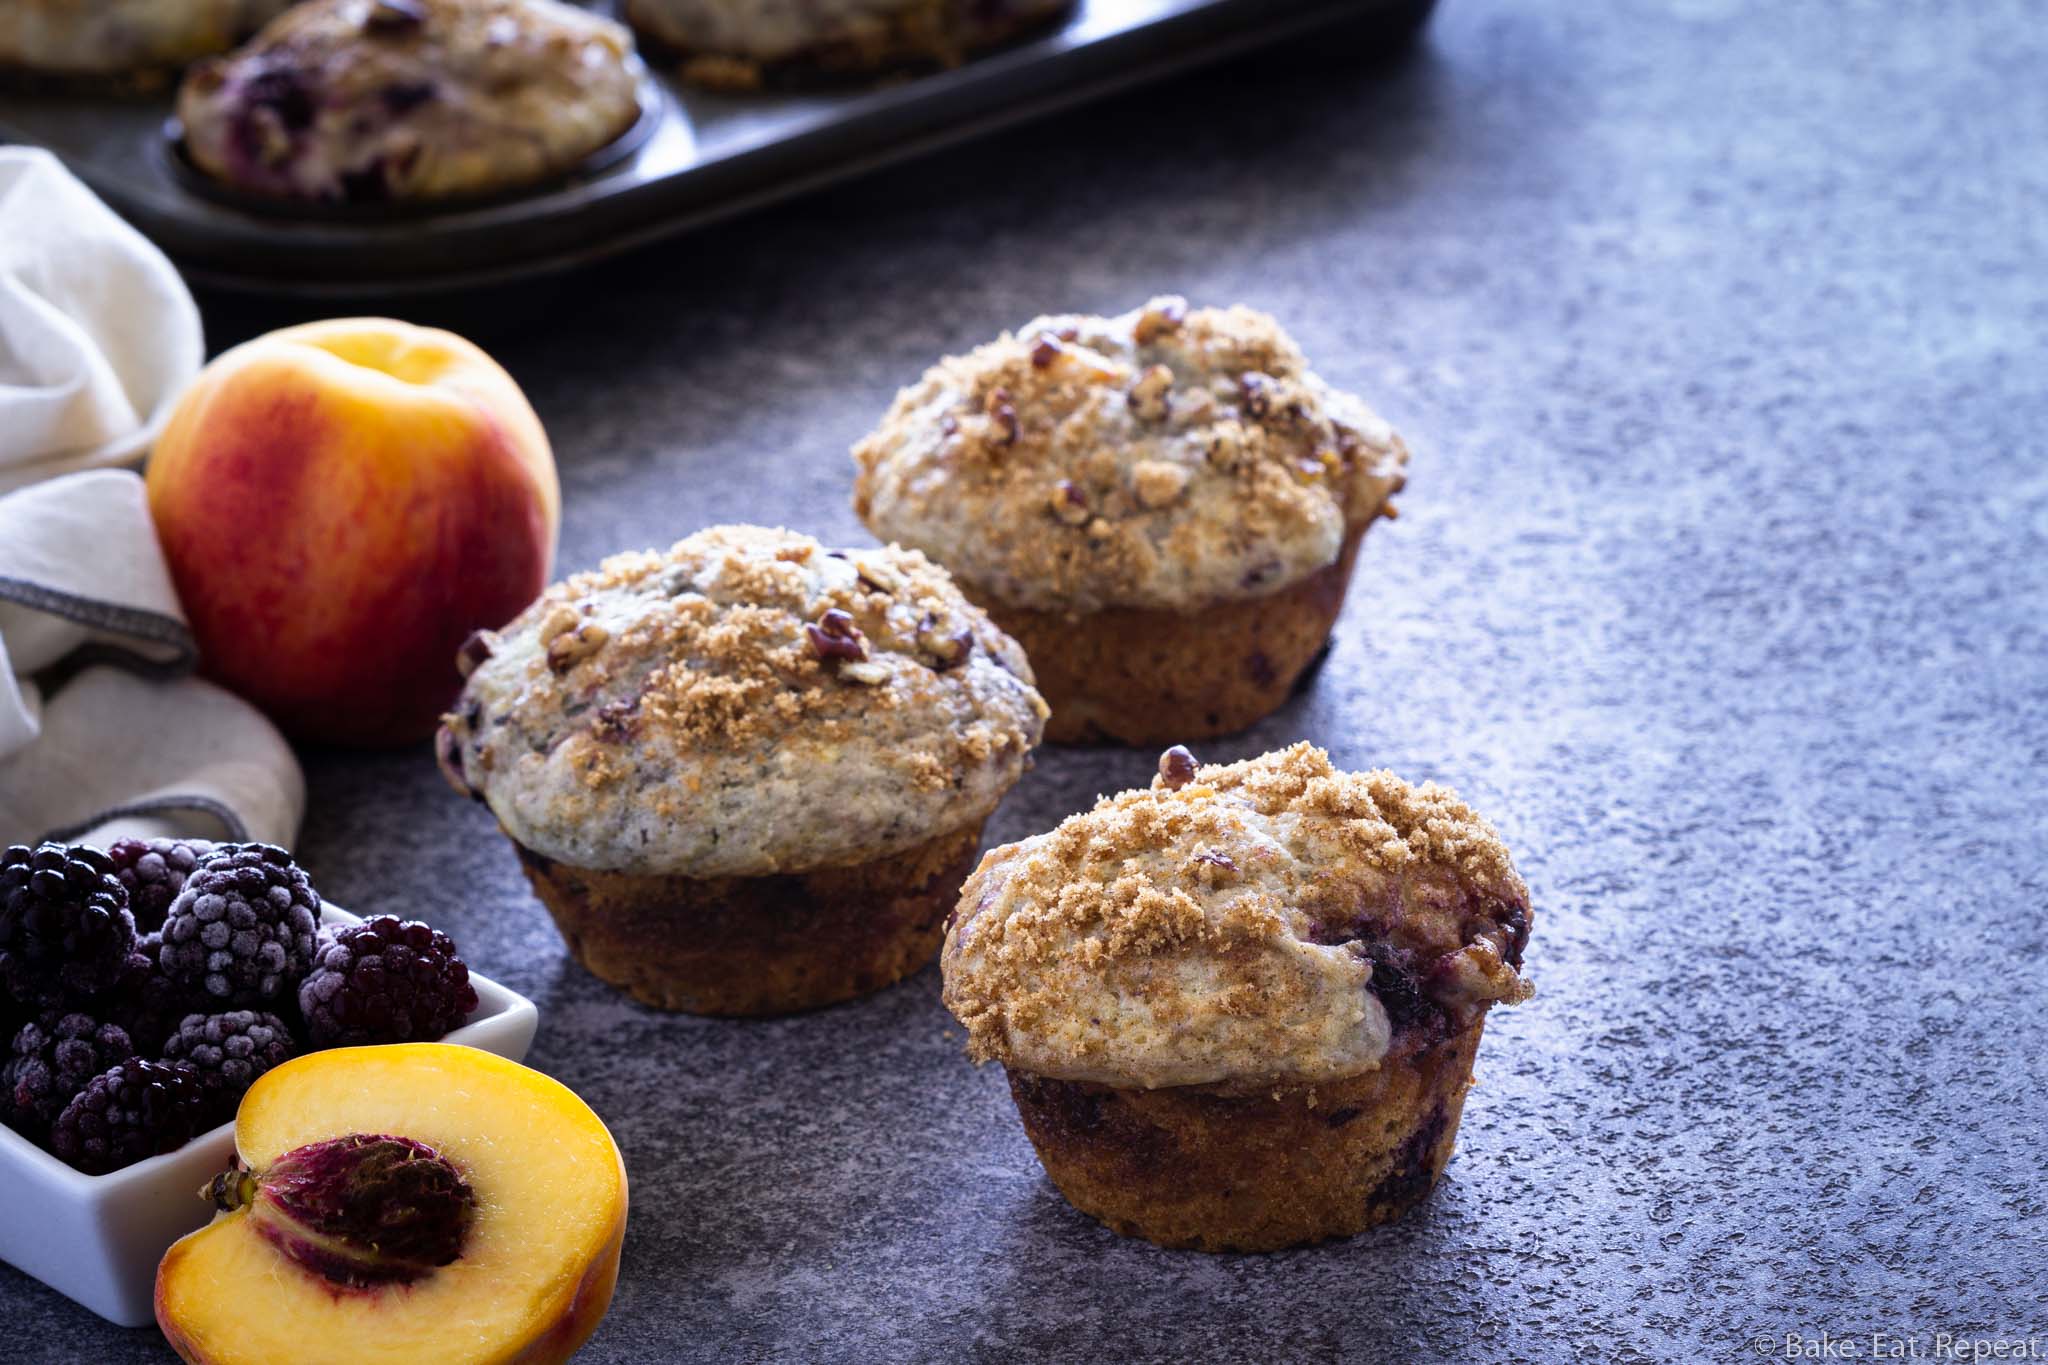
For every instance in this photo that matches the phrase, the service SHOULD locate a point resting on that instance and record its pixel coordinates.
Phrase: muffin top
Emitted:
(1165, 458)
(107, 37)
(1270, 921)
(747, 703)
(840, 33)
(371, 100)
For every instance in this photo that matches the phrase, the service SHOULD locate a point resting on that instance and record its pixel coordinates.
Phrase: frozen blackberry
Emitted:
(229, 1051)
(51, 1060)
(64, 923)
(135, 1109)
(385, 980)
(144, 1001)
(153, 872)
(242, 931)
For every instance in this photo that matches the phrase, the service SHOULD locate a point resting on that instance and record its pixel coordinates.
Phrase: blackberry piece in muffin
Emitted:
(1163, 508)
(743, 44)
(133, 44)
(1239, 1008)
(747, 775)
(378, 100)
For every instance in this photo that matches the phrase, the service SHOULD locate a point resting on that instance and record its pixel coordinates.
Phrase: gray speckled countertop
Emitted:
(1718, 327)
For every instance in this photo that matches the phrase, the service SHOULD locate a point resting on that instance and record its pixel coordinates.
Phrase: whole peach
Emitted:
(341, 504)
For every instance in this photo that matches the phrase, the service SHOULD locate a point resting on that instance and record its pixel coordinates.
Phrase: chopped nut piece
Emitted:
(1003, 414)
(567, 650)
(614, 723)
(834, 636)
(1161, 315)
(1069, 503)
(1177, 767)
(947, 640)
(1257, 391)
(480, 645)
(559, 620)
(1100, 529)
(867, 674)
(1148, 395)
(878, 576)
(1158, 483)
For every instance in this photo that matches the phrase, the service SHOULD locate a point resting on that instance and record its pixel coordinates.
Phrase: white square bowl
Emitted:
(98, 1238)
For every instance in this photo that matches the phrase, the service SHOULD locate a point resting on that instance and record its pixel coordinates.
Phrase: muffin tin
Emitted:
(97, 1238)
(697, 156)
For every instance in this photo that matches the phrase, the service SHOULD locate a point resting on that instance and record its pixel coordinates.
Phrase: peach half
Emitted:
(341, 505)
(419, 1202)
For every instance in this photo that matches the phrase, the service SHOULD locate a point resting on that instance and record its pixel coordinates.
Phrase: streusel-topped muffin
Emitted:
(740, 44)
(374, 100)
(746, 775)
(135, 39)
(1239, 1008)
(1163, 507)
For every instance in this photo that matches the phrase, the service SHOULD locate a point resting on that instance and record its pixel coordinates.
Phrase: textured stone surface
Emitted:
(1717, 327)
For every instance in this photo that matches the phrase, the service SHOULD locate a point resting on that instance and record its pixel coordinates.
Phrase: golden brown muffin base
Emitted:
(918, 39)
(1204, 1168)
(758, 945)
(1146, 676)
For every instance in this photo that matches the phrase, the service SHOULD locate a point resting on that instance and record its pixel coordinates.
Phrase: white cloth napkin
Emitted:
(122, 744)
(98, 335)
(102, 731)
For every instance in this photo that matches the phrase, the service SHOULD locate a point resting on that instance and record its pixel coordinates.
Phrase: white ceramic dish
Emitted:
(98, 1238)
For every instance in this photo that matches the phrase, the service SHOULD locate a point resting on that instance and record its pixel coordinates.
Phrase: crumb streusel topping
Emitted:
(1269, 921)
(1165, 458)
(108, 37)
(746, 703)
(368, 100)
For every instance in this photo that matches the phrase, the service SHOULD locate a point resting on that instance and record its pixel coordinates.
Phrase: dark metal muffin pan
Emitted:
(705, 156)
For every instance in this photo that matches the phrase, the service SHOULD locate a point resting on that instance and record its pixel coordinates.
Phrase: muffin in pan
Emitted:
(743, 44)
(111, 43)
(1162, 507)
(384, 100)
(747, 775)
(1239, 1009)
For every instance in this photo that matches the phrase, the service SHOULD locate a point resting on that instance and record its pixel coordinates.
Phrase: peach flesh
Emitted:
(537, 1266)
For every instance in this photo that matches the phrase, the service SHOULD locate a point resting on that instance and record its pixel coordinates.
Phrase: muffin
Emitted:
(1239, 1009)
(381, 100)
(131, 42)
(746, 776)
(1163, 508)
(743, 44)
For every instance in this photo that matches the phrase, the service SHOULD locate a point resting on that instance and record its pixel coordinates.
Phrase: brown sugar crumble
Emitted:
(1142, 460)
(734, 670)
(1227, 923)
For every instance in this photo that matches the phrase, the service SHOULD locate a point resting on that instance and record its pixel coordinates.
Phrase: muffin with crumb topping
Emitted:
(1162, 507)
(370, 101)
(1239, 1008)
(117, 44)
(747, 775)
(744, 44)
